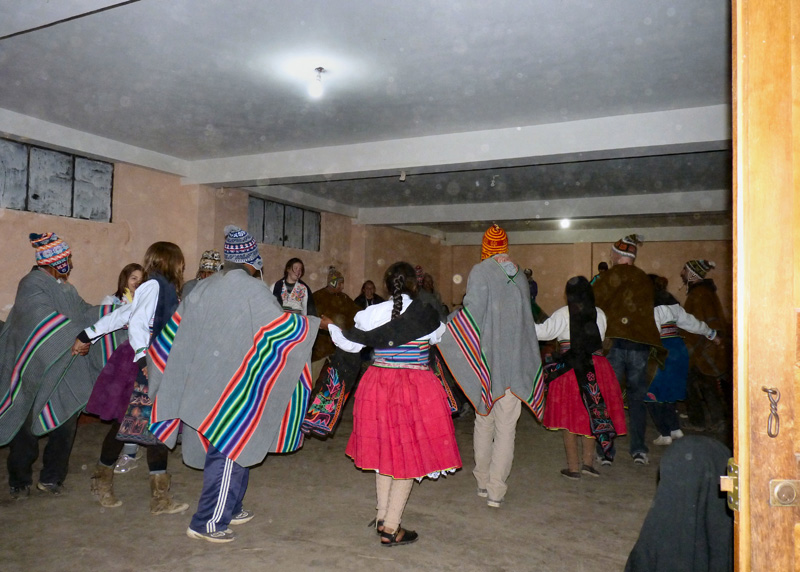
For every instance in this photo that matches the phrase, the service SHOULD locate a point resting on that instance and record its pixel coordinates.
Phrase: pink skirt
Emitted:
(564, 407)
(402, 426)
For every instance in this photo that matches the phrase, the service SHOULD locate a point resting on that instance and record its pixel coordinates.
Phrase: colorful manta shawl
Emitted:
(243, 388)
(38, 374)
(490, 345)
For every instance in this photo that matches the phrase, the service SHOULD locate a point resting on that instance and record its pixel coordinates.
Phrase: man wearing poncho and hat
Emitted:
(491, 349)
(708, 362)
(44, 383)
(233, 366)
(625, 293)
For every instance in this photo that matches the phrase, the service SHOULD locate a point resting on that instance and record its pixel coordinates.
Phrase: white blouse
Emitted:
(557, 325)
(138, 316)
(372, 317)
(674, 313)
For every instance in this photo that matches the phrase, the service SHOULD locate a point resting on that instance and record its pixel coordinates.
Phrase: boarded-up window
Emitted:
(283, 225)
(50, 182)
(13, 174)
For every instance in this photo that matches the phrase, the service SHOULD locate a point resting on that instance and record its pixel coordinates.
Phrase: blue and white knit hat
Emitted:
(241, 247)
(51, 251)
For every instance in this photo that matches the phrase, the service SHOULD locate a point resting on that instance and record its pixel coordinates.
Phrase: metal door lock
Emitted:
(784, 492)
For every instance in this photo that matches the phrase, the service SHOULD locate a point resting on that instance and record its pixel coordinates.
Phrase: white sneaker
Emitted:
(663, 440)
(677, 434)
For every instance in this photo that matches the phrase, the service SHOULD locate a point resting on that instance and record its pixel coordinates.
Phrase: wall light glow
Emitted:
(564, 223)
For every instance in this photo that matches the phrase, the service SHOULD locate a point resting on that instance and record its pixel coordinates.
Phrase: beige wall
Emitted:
(149, 206)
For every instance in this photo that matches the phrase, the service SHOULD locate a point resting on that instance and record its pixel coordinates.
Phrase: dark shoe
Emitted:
(589, 470)
(570, 474)
(604, 461)
(243, 516)
(218, 536)
(402, 536)
(51, 488)
(640, 459)
(378, 524)
(20, 493)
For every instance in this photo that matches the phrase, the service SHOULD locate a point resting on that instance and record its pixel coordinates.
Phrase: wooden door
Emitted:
(766, 130)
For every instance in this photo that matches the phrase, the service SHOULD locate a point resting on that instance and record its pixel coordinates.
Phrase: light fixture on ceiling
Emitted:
(564, 223)
(315, 88)
(492, 184)
(402, 176)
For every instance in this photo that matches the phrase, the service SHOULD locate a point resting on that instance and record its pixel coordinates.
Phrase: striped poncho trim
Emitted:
(40, 334)
(108, 342)
(290, 436)
(467, 335)
(232, 421)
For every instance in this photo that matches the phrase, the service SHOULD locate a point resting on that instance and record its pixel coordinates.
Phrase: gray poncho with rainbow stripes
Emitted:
(38, 373)
(234, 368)
(490, 344)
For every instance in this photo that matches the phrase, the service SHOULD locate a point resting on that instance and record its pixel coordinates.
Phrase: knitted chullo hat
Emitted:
(210, 261)
(627, 246)
(241, 248)
(699, 268)
(495, 241)
(51, 251)
(334, 276)
(420, 273)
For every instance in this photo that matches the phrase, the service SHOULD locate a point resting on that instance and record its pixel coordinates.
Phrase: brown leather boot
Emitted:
(160, 500)
(103, 486)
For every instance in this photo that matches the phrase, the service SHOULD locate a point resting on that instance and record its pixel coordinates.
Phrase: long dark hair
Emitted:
(292, 262)
(400, 279)
(122, 281)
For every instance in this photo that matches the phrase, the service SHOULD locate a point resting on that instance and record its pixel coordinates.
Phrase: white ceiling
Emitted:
(612, 112)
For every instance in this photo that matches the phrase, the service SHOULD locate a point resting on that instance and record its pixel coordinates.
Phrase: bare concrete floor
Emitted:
(312, 509)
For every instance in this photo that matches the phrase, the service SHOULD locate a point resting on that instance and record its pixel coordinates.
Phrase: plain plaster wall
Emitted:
(150, 206)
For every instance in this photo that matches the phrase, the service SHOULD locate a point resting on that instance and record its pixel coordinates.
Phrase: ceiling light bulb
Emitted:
(315, 87)
(565, 222)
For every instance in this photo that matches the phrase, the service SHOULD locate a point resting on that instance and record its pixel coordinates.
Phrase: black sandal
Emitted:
(406, 537)
(378, 524)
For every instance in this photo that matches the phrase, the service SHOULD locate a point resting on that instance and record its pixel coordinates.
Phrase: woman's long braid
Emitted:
(397, 294)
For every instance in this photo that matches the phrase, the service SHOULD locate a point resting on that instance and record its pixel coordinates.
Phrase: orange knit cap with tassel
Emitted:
(495, 241)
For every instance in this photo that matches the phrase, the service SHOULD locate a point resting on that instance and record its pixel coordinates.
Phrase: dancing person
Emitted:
(669, 384)
(292, 293)
(232, 366)
(625, 294)
(43, 385)
(109, 389)
(402, 427)
(492, 351)
(583, 395)
(155, 301)
(210, 264)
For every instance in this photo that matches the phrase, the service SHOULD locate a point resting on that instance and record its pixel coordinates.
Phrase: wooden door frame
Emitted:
(766, 127)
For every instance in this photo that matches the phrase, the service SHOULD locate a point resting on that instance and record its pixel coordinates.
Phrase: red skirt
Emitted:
(402, 425)
(564, 407)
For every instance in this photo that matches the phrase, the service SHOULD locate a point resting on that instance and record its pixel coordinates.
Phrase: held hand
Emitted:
(144, 371)
(717, 341)
(80, 349)
(324, 322)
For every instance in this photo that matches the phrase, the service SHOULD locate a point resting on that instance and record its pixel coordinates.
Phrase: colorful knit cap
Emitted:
(420, 273)
(699, 268)
(627, 246)
(211, 261)
(334, 276)
(241, 247)
(495, 241)
(51, 251)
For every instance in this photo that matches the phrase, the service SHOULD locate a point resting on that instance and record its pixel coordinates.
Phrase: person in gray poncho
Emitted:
(44, 383)
(492, 351)
(233, 366)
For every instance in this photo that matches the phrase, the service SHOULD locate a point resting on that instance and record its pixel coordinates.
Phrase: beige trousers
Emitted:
(493, 444)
